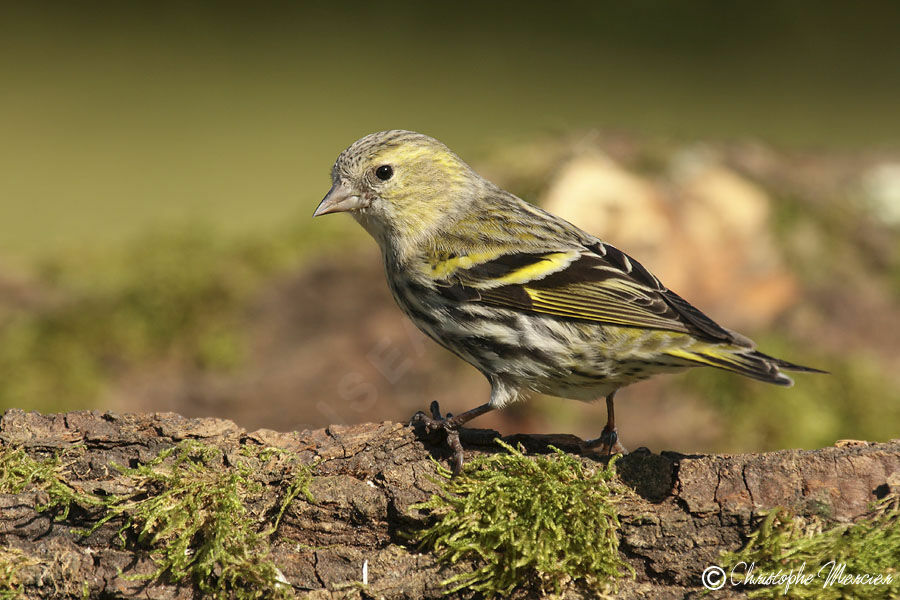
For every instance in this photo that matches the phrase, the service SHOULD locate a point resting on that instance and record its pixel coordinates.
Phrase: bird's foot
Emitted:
(450, 428)
(608, 442)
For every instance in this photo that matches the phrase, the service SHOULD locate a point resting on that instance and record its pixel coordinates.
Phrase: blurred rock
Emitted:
(703, 229)
(881, 186)
(598, 195)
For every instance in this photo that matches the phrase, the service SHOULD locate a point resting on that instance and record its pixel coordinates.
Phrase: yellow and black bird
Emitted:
(527, 298)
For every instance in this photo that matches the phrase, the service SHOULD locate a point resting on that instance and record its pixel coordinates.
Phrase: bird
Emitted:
(536, 304)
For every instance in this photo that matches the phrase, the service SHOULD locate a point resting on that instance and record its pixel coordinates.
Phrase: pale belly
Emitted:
(581, 360)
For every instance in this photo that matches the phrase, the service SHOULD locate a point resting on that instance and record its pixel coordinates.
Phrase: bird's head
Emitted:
(400, 185)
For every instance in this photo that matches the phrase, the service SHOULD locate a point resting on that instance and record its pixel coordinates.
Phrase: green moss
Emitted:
(547, 520)
(12, 561)
(20, 472)
(785, 542)
(201, 521)
(201, 515)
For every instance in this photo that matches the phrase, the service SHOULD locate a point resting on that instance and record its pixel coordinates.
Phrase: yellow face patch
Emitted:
(425, 180)
(409, 155)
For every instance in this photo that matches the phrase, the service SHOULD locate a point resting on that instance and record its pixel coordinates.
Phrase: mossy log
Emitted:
(686, 509)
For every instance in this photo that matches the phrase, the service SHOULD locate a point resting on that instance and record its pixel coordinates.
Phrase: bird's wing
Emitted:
(591, 283)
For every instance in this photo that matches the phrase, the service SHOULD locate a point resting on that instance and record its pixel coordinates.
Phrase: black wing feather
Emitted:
(603, 284)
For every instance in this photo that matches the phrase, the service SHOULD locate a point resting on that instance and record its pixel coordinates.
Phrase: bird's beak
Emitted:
(339, 199)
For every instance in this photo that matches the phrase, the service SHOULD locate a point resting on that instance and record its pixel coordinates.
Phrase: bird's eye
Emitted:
(384, 172)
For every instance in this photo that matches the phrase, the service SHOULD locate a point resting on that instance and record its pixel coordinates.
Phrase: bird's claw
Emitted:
(435, 409)
(608, 441)
(609, 438)
(437, 423)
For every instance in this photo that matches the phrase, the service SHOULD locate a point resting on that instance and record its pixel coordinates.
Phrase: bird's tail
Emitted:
(746, 361)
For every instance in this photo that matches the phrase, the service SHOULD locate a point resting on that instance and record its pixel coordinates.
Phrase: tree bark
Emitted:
(687, 509)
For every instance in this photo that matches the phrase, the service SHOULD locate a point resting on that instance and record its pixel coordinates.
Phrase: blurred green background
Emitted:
(159, 163)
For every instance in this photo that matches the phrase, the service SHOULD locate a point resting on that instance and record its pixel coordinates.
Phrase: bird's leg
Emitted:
(450, 426)
(609, 437)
